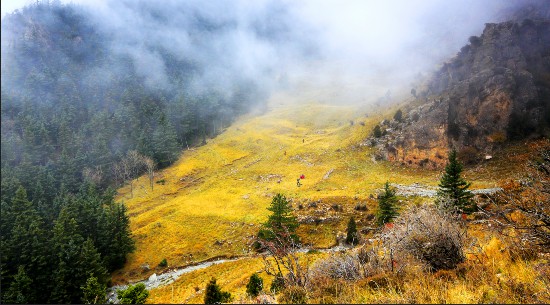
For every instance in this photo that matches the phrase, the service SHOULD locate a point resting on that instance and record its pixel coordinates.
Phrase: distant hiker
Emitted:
(298, 182)
(302, 176)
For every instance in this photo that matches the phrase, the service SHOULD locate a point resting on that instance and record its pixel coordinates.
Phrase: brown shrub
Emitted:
(428, 234)
(524, 206)
(293, 295)
(325, 290)
(351, 266)
(339, 266)
(446, 275)
(378, 281)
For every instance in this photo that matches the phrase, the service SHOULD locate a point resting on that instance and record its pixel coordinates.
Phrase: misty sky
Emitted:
(363, 45)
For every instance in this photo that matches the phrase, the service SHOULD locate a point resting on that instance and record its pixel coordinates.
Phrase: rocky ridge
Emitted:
(496, 89)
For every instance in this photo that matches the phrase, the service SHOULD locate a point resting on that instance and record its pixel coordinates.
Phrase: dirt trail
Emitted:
(417, 189)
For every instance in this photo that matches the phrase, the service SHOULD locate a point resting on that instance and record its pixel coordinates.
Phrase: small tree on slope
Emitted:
(255, 285)
(351, 237)
(387, 205)
(453, 189)
(214, 294)
(281, 222)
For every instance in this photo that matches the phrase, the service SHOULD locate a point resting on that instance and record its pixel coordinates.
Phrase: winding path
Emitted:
(417, 189)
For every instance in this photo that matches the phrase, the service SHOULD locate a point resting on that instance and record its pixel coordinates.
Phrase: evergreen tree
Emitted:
(116, 236)
(93, 292)
(26, 245)
(21, 290)
(387, 205)
(91, 262)
(214, 294)
(453, 189)
(255, 285)
(134, 294)
(377, 132)
(165, 143)
(280, 221)
(398, 116)
(351, 236)
(67, 244)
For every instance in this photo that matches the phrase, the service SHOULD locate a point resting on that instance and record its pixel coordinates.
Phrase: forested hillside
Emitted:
(83, 111)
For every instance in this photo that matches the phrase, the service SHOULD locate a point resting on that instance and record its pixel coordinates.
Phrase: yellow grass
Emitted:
(220, 191)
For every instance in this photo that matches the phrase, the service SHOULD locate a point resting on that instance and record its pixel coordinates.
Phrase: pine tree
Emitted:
(116, 237)
(134, 294)
(387, 205)
(398, 116)
(255, 285)
(67, 243)
(453, 189)
(90, 261)
(26, 245)
(281, 221)
(377, 132)
(351, 236)
(21, 290)
(165, 143)
(93, 292)
(214, 294)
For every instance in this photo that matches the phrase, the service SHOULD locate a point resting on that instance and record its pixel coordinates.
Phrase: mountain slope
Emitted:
(220, 191)
(496, 89)
(213, 200)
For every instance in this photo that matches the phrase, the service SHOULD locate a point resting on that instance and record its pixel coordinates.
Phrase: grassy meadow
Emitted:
(212, 202)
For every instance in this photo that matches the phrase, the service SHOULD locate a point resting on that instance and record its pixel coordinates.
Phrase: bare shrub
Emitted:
(430, 235)
(351, 266)
(293, 295)
(523, 206)
(282, 257)
(339, 266)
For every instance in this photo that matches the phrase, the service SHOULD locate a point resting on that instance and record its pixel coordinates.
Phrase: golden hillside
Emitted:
(212, 201)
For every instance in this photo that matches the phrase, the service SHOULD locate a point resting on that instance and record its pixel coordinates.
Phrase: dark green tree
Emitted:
(387, 205)
(214, 294)
(453, 189)
(91, 262)
(67, 244)
(134, 294)
(93, 292)
(165, 145)
(351, 236)
(27, 243)
(117, 236)
(163, 263)
(77, 259)
(398, 116)
(21, 290)
(377, 133)
(255, 285)
(281, 222)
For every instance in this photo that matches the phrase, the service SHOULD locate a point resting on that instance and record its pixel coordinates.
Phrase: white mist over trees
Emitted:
(84, 84)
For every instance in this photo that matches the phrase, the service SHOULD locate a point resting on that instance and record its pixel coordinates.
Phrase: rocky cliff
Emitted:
(496, 89)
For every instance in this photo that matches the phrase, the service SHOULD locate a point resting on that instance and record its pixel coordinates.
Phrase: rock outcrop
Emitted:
(496, 89)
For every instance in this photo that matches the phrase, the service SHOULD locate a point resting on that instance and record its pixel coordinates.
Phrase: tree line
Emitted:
(78, 121)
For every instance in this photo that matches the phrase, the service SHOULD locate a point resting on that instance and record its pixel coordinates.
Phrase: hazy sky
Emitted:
(374, 44)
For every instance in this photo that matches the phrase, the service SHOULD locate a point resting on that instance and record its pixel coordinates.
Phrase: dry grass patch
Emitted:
(214, 186)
